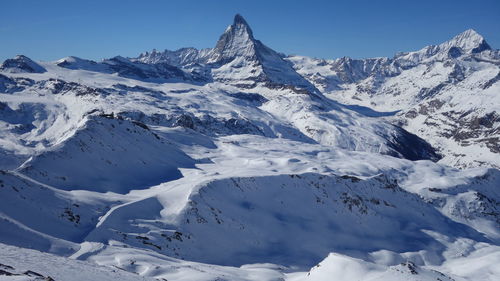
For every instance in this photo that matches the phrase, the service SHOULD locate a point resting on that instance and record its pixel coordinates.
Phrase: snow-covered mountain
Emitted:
(238, 163)
(21, 64)
(238, 59)
(446, 94)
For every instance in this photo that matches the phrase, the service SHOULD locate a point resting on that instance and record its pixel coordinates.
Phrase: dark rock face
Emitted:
(412, 147)
(7, 270)
(57, 86)
(251, 98)
(205, 124)
(483, 46)
(491, 81)
(6, 83)
(466, 128)
(454, 52)
(478, 129)
(22, 64)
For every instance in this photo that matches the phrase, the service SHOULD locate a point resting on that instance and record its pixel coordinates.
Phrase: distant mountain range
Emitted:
(446, 94)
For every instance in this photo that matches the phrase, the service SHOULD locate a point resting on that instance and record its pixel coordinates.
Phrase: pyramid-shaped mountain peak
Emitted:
(241, 27)
(239, 20)
(468, 41)
(236, 41)
(251, 60)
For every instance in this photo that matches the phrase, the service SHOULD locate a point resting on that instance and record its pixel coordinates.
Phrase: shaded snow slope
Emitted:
(349, 210)
(37, 216)
(251, 218)
(108, 154)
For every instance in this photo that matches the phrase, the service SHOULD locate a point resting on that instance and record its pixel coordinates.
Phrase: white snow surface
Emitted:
(226, 164)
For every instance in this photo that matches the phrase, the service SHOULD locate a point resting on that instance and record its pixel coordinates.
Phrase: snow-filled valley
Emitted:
(241, 163)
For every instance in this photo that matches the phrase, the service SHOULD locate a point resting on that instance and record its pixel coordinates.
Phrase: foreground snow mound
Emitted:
(464, 260)
(108, 154)
(287, 219)
(344, 268)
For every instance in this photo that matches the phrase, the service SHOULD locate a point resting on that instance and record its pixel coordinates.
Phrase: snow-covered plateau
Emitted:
(242, 163)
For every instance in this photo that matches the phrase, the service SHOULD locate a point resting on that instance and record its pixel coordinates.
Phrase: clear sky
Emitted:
(52, 29)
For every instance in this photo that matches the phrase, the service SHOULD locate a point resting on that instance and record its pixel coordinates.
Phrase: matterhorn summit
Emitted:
(236, 41)
(237, 59)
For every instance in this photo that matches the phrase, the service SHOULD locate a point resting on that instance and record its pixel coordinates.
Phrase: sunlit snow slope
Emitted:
(448, 94)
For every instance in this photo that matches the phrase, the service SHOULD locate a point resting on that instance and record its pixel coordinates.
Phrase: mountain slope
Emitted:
(442, 93)
(310, 206)
(213, 108)
(242, 61)
(108, 154)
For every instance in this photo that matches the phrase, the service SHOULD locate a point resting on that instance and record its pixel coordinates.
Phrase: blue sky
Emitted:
(52, 29)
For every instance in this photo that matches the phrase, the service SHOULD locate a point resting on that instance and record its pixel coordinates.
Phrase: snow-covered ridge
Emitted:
(446, 93)
(466, 43)
(159, 72)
